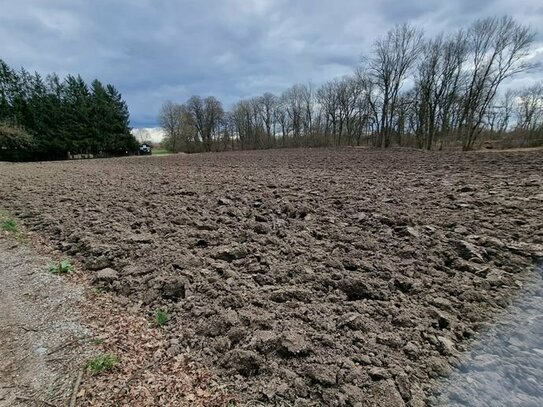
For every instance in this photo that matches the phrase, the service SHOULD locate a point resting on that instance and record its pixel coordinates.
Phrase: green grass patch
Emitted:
(102, 363)
(161, 317)
(160, 151)
(62, 267)
(9, 225)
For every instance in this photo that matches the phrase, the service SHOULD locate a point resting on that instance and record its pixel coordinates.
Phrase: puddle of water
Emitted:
(505, 365)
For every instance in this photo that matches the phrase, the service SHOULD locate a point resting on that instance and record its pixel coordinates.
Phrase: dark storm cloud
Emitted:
(164, 49)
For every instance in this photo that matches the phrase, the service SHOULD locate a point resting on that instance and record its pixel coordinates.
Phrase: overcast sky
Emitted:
(158, 50)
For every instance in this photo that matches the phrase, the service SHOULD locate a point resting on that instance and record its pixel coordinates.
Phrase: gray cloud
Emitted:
(155, 50)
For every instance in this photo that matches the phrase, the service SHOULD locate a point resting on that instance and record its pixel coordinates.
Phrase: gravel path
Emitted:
(40, 330)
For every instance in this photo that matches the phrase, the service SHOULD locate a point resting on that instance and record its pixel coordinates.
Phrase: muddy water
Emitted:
(505, 365)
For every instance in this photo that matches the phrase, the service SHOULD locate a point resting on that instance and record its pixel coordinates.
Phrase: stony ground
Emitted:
(300, 277)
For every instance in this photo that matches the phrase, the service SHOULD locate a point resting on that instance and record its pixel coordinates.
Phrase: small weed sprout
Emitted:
(102, 363)
(161, 317)
(62, 267)
(9, 225)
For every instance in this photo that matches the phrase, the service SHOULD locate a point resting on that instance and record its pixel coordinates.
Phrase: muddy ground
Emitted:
(301, 277)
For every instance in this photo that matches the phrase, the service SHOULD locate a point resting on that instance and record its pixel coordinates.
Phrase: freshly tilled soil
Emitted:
(301, 277)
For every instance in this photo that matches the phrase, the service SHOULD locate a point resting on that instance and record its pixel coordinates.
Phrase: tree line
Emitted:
(409, 91)
(53, 118)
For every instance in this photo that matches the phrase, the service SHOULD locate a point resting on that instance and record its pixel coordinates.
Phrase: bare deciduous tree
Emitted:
(206, 115)
(530, 108)
(268, 105)
(170, 119)
(437, 84)
(393, 57)
(498, 48)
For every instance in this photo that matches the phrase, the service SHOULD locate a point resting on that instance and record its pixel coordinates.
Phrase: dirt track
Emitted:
(305, 277)
(41, 330)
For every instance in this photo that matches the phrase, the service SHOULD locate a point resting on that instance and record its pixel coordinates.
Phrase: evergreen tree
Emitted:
(7, 84)
(58, 116)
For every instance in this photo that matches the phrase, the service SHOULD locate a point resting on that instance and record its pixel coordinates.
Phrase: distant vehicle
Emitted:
(145, 149)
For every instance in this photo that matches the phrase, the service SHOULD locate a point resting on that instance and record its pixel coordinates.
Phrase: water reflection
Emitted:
(505, 365)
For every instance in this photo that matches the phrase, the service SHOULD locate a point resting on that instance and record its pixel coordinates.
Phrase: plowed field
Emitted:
(301, 277)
